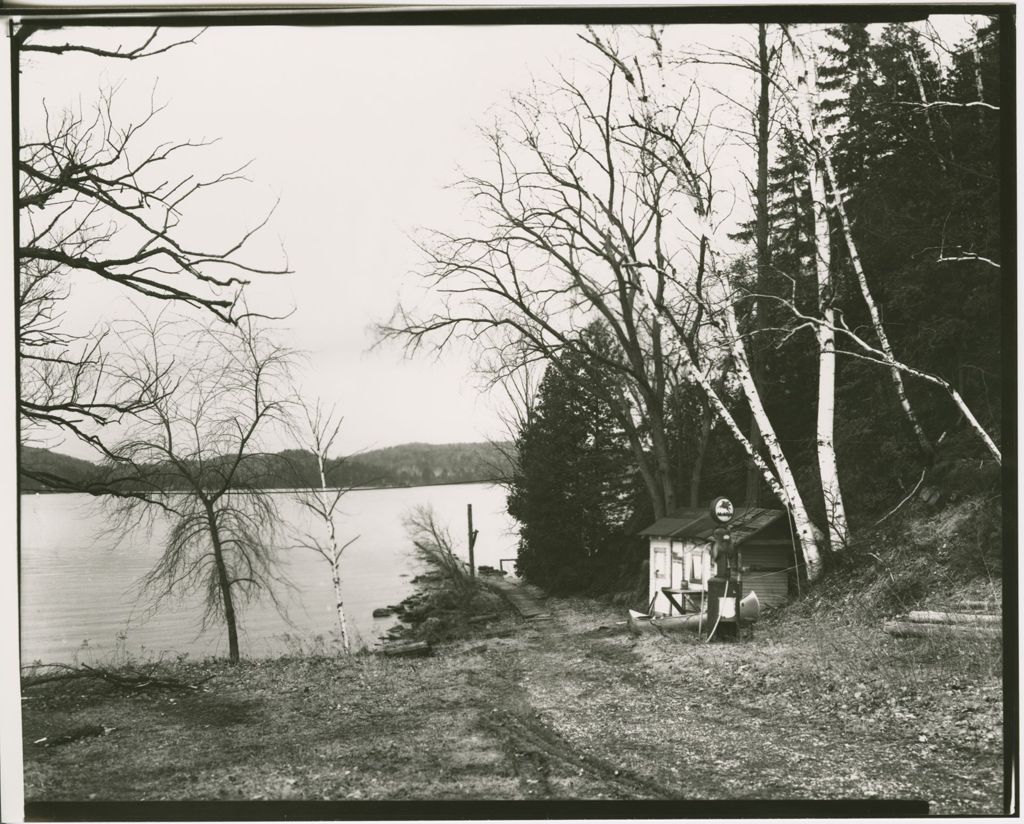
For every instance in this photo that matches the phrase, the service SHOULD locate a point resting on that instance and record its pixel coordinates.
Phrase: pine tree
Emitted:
(573, 488)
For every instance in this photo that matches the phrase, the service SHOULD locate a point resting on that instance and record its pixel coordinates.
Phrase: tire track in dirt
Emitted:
(547, 765)
(544, 762)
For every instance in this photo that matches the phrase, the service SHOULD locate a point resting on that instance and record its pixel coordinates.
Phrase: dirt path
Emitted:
(685, 720)
(545, 762)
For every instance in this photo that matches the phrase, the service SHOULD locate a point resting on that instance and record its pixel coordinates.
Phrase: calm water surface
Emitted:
(80, 599)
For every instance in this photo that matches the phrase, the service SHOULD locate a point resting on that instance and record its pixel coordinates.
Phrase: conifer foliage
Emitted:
(572, 491)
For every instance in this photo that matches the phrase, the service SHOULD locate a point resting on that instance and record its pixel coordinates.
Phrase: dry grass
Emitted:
(813, 707)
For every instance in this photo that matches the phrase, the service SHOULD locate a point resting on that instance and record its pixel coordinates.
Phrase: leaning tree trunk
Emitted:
(224, 583)
(761, 235)
(782, 482)
(876, 317)
(957, 398)
(778, 476)
(835, 510)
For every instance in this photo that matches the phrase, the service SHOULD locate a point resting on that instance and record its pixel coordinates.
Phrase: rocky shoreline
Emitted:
(434, 613)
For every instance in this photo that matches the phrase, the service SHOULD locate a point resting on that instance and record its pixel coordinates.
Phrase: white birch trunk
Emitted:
(877, 356)
(781, 481)
(334, 557)
(784, 482)
(835, 510)
(916, 69)
(876, 318)
(973, 421)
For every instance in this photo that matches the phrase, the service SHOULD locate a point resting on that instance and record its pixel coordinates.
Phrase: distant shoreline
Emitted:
(288, 490)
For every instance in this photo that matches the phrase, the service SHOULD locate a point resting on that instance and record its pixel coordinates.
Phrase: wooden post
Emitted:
(739, 591)
(472, 539)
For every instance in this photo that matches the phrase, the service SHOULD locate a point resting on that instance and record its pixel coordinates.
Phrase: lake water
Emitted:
(80, 598)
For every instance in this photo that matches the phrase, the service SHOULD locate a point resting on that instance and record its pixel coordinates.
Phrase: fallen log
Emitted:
(978, 606)
(414, 649)
(926, 616)
(907, 629)
(126, 679)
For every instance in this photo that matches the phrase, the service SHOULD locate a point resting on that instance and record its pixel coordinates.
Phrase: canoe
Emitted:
(640, 622)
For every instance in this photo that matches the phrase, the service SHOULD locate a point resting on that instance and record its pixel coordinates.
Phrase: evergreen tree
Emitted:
(920, 176)
(573, 489)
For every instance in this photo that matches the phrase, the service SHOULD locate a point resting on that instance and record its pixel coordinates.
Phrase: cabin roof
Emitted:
(698, 523)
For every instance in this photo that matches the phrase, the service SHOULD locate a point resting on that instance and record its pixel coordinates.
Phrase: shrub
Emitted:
(451, 595)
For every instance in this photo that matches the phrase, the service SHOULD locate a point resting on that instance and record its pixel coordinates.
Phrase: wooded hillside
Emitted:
(46, 462)
(412, 464)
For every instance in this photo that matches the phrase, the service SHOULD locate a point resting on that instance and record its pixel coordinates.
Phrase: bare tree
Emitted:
(322, 502)
(30, 37)
(103, 201)
(565, 212)
(601, 205)
(686, 154)
(192, 453)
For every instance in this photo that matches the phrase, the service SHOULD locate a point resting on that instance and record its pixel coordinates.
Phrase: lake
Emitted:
(80, 599)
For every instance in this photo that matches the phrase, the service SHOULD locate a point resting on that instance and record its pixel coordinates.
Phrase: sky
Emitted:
(356, 134)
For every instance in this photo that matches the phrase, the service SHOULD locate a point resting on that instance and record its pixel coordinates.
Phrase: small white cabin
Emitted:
(680, 557)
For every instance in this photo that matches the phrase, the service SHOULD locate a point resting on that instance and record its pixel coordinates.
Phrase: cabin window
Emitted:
(696, 568)
(660, 558)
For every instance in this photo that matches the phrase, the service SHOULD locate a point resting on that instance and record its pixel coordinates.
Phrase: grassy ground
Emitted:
(573, 707)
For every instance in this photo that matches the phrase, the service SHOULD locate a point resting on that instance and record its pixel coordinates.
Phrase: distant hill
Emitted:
(411, 464)
(46, 462)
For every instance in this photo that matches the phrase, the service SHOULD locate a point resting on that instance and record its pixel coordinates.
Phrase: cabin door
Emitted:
(678, 566)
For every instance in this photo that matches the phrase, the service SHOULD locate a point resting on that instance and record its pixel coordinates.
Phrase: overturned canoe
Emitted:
(639, 622)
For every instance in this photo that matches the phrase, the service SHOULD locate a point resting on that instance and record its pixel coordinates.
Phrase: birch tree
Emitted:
(895, 374)
(806, 102)
(322, 504)
(885, 121)
(681, 153)
(873, 354)
(563, 216)
(603, 211)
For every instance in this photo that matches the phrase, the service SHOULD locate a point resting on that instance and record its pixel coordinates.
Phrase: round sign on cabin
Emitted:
(721, 510)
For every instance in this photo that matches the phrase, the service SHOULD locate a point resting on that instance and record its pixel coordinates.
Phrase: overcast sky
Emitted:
(356, 133)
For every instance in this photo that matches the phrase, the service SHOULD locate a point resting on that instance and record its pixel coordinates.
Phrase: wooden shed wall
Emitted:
(770, 576)
(776, 556)
(772, 588)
